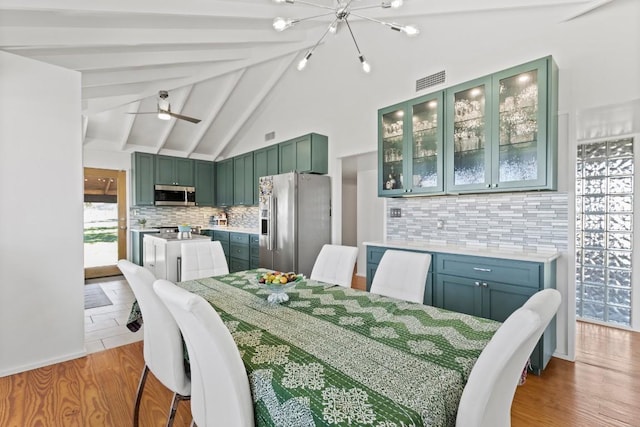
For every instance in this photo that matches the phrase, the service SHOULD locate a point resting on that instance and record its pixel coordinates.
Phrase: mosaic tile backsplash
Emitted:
(527, 221)
(244, 217)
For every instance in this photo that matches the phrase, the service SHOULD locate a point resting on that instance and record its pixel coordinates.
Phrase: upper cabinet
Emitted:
(501, 130)
(174, 171)
(224, 183)
(306, 154)
(243, 182)
(410, 147)
(205, 178)
(495, 133)
(142, 178)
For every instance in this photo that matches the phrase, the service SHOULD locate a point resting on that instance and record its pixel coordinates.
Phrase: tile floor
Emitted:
(105, 327)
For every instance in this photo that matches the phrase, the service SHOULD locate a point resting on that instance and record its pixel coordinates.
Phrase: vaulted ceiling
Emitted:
(219, 60)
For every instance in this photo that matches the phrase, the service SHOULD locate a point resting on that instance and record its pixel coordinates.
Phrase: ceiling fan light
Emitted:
(163, 115)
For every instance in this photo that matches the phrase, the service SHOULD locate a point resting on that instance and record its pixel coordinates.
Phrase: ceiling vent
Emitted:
(432, 80)
(269, 136)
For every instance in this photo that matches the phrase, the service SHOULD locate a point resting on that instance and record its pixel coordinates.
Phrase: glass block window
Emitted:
(604, 231)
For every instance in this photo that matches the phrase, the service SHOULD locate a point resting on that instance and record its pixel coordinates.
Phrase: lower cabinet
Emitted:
(254, 251)
(223, 238)
(492, 288)
(137, 246)
(239, 249)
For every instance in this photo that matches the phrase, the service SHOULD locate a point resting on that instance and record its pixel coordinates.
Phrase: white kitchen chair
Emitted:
(163, 349)
(202, 259)
(488, 395)
(220, 387)
(402, 275)
(335, 264)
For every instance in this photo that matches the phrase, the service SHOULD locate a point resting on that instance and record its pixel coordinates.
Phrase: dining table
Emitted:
(336, 356)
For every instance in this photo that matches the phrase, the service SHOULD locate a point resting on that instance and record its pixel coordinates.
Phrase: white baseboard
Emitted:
(41, 364)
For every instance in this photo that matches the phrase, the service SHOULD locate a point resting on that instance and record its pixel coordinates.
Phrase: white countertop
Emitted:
(172, 237)
(144, 230)
(515, 253)
(232, 229)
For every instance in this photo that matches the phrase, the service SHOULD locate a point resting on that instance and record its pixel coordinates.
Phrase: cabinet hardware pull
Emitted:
(482, 269)
(488, 185)
(484, 285)
(477, 283)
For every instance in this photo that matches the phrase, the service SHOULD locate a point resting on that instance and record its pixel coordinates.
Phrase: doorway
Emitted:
(105, 221)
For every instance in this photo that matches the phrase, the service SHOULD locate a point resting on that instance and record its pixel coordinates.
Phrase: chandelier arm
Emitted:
(346, 21)
(312, 17)
(367, 18)
(323, 36)
(375, 6)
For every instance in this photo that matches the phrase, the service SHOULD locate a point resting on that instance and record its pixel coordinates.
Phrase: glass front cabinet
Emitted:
(501, 131)
(410, 150)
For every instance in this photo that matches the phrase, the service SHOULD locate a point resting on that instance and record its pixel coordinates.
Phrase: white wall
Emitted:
(349, 212)
(41, 218)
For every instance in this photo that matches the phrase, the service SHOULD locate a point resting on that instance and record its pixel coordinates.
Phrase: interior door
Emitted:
(105, 224)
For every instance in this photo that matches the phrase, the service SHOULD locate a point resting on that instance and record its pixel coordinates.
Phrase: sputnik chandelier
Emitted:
(342, 11)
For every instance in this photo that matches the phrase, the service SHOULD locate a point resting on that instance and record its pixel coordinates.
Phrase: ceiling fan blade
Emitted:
(187, 118)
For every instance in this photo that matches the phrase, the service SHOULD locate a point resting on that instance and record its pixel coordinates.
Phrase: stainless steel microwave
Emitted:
(174, 195)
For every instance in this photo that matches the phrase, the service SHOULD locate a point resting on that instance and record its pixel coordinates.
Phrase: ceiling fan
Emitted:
(164, 110)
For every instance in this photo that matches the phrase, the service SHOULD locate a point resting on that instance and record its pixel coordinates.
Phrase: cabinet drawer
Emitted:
(254, 262)
(238, 264)
(242, 238)
(239, 251)
(499, 270)
(222, 236)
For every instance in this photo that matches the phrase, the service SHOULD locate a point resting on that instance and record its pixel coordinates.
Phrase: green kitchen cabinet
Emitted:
(254, 251)
(410, 147)
(224, 183)
(205, 179)
(174, 171)
(501, 130)
(306, 154)
(240, 251)
(142, 178)
(223, 238)
(265, 163)
(137, 245)
(243, 182)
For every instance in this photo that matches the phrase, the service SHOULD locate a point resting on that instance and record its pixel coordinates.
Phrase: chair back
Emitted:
(220, 394)
(487, 396)
(335, 264)
(202, 259)
(163, 350)
(402, 275)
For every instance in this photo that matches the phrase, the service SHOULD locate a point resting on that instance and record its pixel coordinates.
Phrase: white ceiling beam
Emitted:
(584, 9)
(133, 89)
(78, 37)
(139, 75)
(182, 97)
(215, 110)
(129, 119)
(259, 97)
(122, 61)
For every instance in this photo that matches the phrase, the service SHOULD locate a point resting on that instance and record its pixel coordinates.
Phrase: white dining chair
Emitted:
(487, 397)
(220, 387)
(202, 259)
(335, 264)
(402, 275)
(163, 349)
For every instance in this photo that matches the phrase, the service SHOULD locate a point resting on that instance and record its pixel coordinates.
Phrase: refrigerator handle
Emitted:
(272, 223)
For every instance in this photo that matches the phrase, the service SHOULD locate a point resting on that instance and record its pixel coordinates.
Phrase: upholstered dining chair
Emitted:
(488, 395)
(335, 264)
(402, 275)
(220, 387)
(202, 259)
(163, 349)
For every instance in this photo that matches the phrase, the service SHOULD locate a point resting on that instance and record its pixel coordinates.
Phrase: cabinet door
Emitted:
(287, 156)
(224, 183)
(243, 179)
(520, 127)
(458, 294)
(183, 170)
(165, 173)
(499, 300)
(204, 172)
(143, 179)
(392, 129)
(265, 163)
(424, 148)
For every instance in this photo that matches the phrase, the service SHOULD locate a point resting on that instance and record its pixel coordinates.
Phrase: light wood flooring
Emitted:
(600, 389)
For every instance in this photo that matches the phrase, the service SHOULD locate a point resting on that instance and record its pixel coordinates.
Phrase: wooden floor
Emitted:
(602, 388)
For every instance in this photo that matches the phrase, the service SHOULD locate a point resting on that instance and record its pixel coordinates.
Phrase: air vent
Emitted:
(269, 136)
(432, 80)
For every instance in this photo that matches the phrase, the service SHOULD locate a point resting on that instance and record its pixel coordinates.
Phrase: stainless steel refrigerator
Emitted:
(295, 220)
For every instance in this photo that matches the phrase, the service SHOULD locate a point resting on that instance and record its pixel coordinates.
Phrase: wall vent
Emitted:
(269, 136)
(432, 80)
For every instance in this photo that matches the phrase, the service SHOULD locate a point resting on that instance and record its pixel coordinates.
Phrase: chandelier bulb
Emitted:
(283, 1)
(303, 62)
(396, 3)
(410, 30)
(366, 67)
(333, 28)
(281, 24)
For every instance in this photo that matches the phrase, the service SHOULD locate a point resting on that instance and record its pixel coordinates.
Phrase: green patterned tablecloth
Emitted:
(337, 356)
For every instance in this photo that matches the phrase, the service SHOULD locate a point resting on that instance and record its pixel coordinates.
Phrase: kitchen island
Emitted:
(161, 254)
